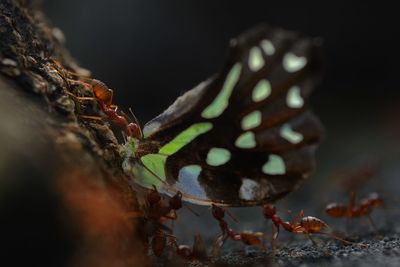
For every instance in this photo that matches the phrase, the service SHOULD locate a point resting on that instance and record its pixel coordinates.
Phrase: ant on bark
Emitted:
(354, 210)
(103, 96)
(158, 211)
(307, 226)
(246, 237)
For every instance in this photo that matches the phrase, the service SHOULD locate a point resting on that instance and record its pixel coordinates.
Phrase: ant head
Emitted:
(135, 130)
(269, 210)
(375, 200)
(176, 201)
(217, 212)
(153, 197)
(134, 127)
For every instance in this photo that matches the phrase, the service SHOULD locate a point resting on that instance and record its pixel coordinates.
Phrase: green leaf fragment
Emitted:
(220, 103)
(155, 177)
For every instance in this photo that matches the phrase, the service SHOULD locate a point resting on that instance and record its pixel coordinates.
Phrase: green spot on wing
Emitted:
(220, 103)
(188, 181)
(185, 137)
(261, 91)
(189, 172)
(246, 140)
(218, 156)
(293, 98)
(274, 166)
(251, 120)
(268, 47)
(290, 135)
(293, 63)
(256, 60)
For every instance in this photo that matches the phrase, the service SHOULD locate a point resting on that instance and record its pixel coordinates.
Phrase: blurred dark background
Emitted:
(152, 51)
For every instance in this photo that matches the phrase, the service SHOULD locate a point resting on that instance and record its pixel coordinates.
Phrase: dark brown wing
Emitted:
(260, 137)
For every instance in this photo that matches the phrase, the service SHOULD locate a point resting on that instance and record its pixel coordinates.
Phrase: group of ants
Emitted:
(158, 211)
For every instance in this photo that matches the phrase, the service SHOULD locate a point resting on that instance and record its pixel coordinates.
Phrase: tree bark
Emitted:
(64, 199)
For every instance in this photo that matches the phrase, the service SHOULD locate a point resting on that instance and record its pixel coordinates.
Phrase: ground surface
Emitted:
(379, 252)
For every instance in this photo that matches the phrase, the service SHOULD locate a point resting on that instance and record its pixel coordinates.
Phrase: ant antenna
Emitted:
(124, 137)
(136, 121)
(191, 210)
(231, 215)
(342, 240)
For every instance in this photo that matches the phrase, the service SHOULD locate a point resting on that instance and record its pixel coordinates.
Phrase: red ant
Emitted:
(352, 210)
(103, 95)
(158, 211)
(246, 237)
(307, 226)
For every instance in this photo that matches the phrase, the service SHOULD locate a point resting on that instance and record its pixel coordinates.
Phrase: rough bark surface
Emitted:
(64, 199)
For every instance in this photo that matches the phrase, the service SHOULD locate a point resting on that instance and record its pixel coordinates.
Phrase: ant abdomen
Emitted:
(101, 91)
(336, 210)
(312, 224)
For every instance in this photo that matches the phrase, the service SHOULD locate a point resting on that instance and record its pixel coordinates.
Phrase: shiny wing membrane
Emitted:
(245, 136)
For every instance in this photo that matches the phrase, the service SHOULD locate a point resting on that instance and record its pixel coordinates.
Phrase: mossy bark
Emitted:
(64, 199)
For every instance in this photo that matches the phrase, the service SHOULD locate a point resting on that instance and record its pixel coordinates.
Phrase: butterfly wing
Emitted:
(245, 136)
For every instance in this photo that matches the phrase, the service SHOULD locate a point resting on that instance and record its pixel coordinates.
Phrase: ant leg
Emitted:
(349, 215)
(82, 98)
(191, 210)
(275, 233)
(312, 240)
(77, 75)
(90, 117)
(59, 65)
(371, 221)
(341, 239)
(230, 214)
(218, 243)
